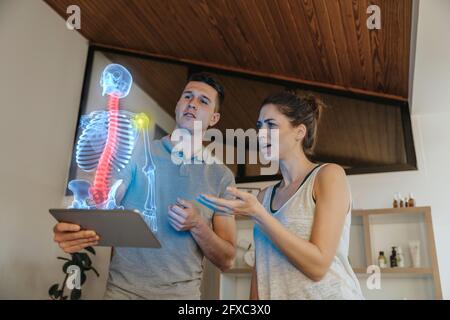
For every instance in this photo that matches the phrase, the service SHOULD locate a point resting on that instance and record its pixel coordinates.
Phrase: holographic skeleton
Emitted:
(142, 122)
(106, 144)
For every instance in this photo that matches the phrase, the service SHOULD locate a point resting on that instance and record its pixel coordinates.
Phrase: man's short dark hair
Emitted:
(212, 82)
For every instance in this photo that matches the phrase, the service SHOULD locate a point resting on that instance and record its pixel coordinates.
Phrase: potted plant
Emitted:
(73, 268)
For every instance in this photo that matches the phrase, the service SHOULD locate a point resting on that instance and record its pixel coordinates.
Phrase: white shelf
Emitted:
(371, 231)
(380, 229)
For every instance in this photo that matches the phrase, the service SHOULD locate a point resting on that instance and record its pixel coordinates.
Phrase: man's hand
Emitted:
(183, 216)
(71, 239)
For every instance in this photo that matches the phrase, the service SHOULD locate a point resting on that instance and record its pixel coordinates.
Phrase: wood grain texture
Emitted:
(319, 42)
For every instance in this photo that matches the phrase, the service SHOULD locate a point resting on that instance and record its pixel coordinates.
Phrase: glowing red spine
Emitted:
(101, 185)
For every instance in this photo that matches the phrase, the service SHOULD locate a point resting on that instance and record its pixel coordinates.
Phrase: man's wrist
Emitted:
(198, 225)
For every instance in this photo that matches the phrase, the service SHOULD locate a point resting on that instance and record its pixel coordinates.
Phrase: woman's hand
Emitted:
(245, 203)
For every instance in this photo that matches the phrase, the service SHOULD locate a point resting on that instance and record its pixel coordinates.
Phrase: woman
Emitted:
(302, 224)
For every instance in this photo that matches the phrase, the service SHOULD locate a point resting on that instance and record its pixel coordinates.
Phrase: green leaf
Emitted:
(90, 249)
(80, 259)
(82, 278)
(76, 258)
(67, 265)
(75, 294)
(96, 272)
(52, 292)
(62, 258)
(84, 261)
(87, 262)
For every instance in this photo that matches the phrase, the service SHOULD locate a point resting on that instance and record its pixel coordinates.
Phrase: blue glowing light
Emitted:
(106, 143)
(142, 122)
(116, 80)
(92, 140)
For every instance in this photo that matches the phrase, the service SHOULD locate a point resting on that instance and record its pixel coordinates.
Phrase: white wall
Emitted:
(430, 119)
(42, 66)
(431, 85)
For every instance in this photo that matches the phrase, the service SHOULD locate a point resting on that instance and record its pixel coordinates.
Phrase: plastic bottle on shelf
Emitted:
(393, 258)
(400, 258)
(395, 202)
(382, 261)
(411, 201)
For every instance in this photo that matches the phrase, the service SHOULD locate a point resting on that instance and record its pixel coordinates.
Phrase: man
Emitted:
(187, 230)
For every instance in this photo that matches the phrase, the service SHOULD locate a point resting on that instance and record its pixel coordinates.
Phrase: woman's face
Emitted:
(276, 134)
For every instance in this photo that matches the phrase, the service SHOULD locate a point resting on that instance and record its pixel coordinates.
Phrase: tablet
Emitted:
(116, 228)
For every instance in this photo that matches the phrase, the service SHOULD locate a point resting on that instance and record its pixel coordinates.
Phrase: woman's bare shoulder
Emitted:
(331, 170)
(330, 174)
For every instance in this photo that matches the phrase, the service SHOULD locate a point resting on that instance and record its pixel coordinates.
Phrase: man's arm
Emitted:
(218, 244)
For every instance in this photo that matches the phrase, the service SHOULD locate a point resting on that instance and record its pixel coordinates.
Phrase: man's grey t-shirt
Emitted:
(173, 271)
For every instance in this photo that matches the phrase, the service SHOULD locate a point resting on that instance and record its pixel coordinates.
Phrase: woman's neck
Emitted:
(295, 167)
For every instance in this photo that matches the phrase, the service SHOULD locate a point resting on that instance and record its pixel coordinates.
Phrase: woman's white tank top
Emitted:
(277, 278)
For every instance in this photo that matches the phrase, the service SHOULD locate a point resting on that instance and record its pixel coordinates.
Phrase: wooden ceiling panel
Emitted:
(258, 47)
(323, 43)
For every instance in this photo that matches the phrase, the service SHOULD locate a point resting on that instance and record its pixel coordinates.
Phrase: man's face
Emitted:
(198, 102)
